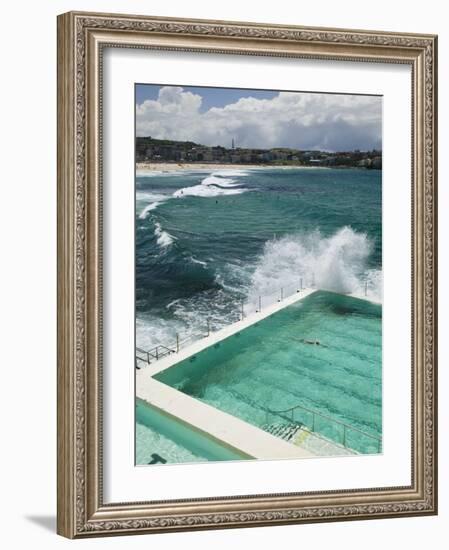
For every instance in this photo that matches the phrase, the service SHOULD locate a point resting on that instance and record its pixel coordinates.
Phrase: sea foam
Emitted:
(211, 186)
(220, 182)
(231, 172)
(338, 263)
(151, 202)
(163, 238)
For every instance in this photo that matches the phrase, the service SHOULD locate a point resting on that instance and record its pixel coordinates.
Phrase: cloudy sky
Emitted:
(260, 119)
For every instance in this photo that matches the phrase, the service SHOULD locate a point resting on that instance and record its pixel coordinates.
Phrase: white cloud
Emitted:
(300, 120)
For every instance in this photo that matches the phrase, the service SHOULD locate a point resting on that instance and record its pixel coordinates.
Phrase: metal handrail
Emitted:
(153, 354)
(316, 413)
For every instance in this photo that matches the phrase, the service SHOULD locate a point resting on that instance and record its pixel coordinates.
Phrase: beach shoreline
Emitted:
(175, 167)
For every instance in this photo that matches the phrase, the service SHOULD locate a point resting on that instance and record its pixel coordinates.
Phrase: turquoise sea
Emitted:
(206, 240)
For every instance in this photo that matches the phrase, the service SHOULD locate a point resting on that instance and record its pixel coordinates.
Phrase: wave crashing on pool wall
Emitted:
(338, 263)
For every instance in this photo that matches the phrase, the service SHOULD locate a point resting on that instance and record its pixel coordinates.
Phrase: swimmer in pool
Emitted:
(312, 342)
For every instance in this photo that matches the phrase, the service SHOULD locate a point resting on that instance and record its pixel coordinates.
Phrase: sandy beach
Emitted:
(174, 166)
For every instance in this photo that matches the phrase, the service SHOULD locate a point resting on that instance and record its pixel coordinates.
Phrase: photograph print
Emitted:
(258, 274)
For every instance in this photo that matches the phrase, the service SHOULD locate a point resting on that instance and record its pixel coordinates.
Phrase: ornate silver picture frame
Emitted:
(82, 40)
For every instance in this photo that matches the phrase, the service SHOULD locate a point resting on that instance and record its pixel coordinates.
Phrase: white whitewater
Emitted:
(338, 263)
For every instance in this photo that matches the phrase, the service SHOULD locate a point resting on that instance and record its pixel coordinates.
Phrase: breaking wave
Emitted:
(148, 208)
(231, 172)
(219, 182)
(211, 186)
(163, 238)
(338, 263)
(151, 201)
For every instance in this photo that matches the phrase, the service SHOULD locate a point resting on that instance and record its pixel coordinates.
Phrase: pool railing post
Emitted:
(177, 343)
(300, 283)
(157, 357)
(344, 435)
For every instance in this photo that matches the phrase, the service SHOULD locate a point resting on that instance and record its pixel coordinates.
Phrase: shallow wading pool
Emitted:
(162, 439)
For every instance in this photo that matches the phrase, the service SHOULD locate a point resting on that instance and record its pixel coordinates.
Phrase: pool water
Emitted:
(275, 364)
(161, 439)
(154, 448)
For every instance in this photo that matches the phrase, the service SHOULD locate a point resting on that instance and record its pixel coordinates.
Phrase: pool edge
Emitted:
(221, 426)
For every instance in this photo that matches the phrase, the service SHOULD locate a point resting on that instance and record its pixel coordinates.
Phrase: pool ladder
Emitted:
(289, 414)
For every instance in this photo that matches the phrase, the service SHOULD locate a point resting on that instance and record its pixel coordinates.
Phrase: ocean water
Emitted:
(209, 240)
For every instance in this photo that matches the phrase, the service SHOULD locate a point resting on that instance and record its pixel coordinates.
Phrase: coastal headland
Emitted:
(173, 155)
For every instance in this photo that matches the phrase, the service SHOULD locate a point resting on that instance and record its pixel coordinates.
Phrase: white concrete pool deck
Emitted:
(222, 334)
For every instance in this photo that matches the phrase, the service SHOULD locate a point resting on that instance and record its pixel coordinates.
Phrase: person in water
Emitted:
(312, 342)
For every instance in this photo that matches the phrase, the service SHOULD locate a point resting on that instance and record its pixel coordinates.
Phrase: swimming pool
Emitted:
(162, 439)
(316, 363)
